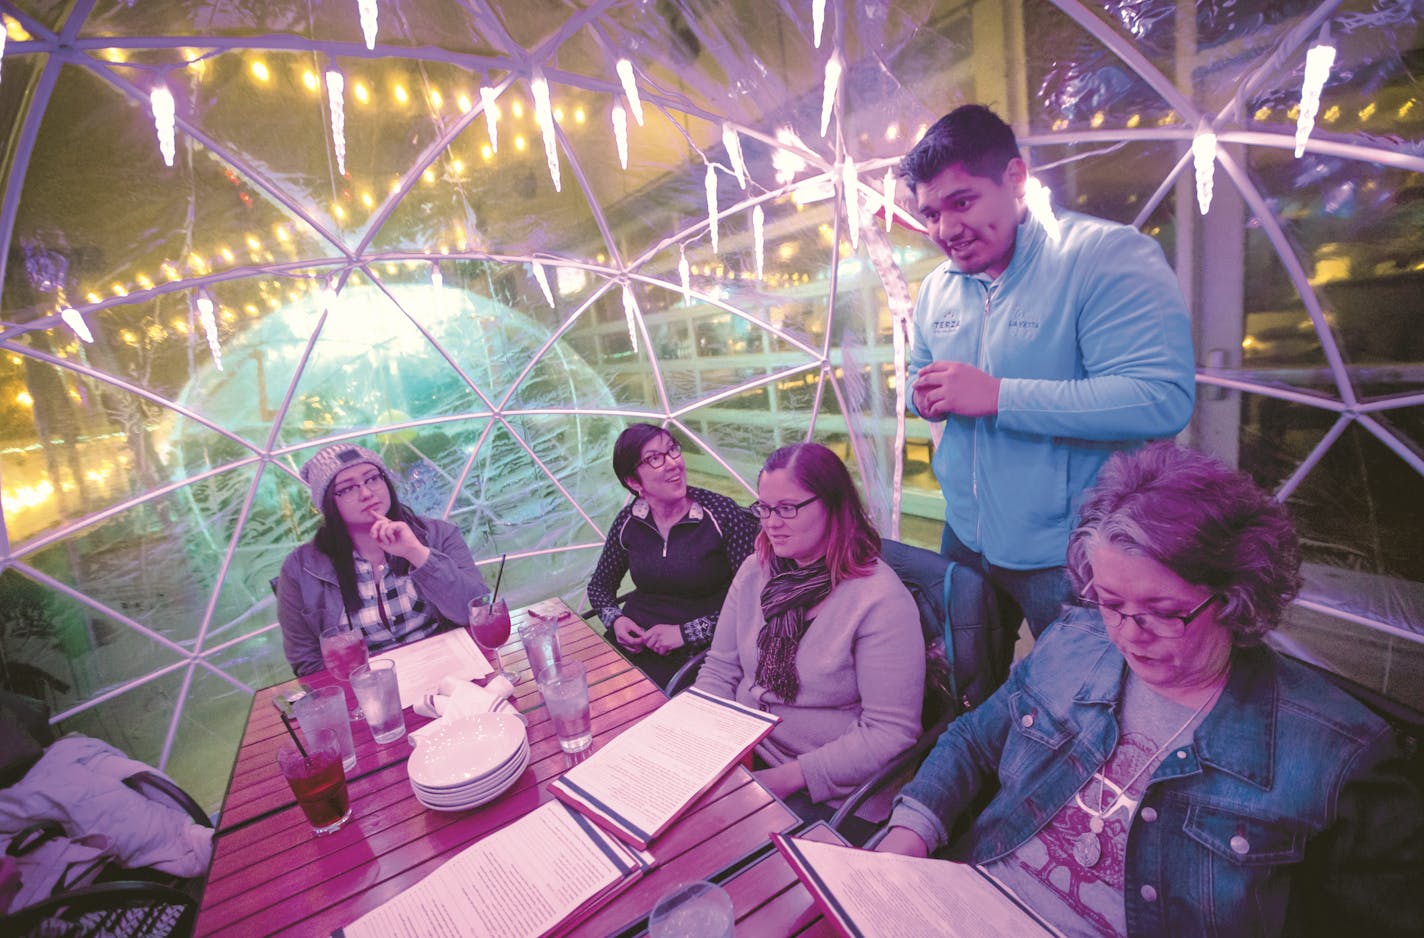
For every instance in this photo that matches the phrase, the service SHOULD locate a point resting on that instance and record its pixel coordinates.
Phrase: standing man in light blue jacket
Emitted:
(1043, 346)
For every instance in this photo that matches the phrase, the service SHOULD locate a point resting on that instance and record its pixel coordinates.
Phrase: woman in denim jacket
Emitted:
(1151, 768)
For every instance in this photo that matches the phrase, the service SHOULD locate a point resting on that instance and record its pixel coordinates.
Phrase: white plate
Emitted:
(494, 773)
(462, 751)
(513, 768)
(436, 804)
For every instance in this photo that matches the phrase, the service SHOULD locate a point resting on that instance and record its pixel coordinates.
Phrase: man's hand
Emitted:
(903, 841)
(955, 388)
(662, 639)
(629, 635)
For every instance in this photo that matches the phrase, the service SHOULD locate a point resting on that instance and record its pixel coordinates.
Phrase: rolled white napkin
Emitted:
(455, 699)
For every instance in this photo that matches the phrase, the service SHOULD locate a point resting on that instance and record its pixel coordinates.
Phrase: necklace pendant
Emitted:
(1095, 825)
(1087, 850)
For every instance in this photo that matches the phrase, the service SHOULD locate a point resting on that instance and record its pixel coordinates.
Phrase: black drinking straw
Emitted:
(300, 748)
(497, 577)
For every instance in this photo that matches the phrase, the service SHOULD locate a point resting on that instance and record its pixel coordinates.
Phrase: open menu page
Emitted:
(523, 881)
(420, 665)
(639, 782)
(885, 895)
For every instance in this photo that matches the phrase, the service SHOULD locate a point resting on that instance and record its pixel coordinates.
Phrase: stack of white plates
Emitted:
(464, 763)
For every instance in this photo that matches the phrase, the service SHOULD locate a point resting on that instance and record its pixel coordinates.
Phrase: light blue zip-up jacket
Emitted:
(1091, 338)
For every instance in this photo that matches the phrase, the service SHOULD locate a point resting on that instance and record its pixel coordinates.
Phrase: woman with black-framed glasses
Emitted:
(680, 544)
(820, 631)
(373, 566)
(1151, 767)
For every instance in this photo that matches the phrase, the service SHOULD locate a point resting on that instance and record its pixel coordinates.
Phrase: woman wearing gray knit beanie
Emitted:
(374, 566)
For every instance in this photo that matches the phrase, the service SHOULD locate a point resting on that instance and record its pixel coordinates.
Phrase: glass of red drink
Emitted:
(318, 780)
(489, 627)
(343, 650)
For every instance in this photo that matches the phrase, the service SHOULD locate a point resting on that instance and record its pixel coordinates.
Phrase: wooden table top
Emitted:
(272, 875)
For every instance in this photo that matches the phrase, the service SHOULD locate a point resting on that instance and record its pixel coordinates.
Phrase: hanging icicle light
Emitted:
(491, 108)
(75, 321)
(733, 143)
(850, 191)
(710, 184)
(1039, 199)
(620, 133)
(210, 326)
(336, 101)
(544, 113)
(368, 21)
(543, 279)
(437, 279)
(828, 91)
(759, 238)
(818, 18)
(164, 114)
(1204, 162)
(631, 313)
(684, 273)
(2, 45)
(327, 297)
(1318, 59)
(888, 187)
(630, 89)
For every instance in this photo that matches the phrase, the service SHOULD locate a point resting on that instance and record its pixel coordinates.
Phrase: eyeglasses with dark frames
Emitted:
(1163, 626)
(365, 482)
(656, 460)
(784, 511)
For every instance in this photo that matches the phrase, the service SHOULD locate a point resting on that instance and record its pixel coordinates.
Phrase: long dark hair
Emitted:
(333, 540)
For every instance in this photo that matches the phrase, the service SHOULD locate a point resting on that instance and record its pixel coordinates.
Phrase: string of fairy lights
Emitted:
(786, 162)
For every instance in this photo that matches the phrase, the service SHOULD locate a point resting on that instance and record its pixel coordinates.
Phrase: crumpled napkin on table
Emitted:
(456, 699)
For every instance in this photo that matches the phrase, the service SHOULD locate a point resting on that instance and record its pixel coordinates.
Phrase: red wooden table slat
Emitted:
(272, 875)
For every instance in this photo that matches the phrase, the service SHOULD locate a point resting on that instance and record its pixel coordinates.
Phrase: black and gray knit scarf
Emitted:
(785, 600)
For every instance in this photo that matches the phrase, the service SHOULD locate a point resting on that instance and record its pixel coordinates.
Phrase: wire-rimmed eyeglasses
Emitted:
(1159, 624)
(785, 511)
(365, 482)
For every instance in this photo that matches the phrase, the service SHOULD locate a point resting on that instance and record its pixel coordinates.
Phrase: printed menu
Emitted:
(538, 876)
(421, 665)
(640, 782)
(885, 895)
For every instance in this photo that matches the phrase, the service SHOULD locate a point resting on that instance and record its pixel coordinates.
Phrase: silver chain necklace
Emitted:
(1088, 846)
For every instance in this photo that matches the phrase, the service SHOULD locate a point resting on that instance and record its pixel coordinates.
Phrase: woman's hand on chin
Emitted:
(396, 537)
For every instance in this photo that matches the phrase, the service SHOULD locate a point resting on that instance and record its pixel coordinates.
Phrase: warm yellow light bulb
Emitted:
(309, 80)
(401, 95)
(486, 152)
(260, 71)
(367, 200)
(464, 103)
(361, 92)
(516, 107)
(520, 143)
(437, 101)
(428, 175)
(580, 115)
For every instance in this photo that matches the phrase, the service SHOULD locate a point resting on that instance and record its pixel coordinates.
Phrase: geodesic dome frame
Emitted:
(534, 223)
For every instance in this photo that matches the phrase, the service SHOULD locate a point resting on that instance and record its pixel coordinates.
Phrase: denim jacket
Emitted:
(309, 597)
(1282, 816)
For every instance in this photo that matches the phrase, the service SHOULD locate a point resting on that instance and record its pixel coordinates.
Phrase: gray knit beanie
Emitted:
(328, 461)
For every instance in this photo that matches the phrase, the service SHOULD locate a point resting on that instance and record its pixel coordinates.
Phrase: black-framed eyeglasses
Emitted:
(1163, 626)
(656, 460)
(367, 481)
(763, 511)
